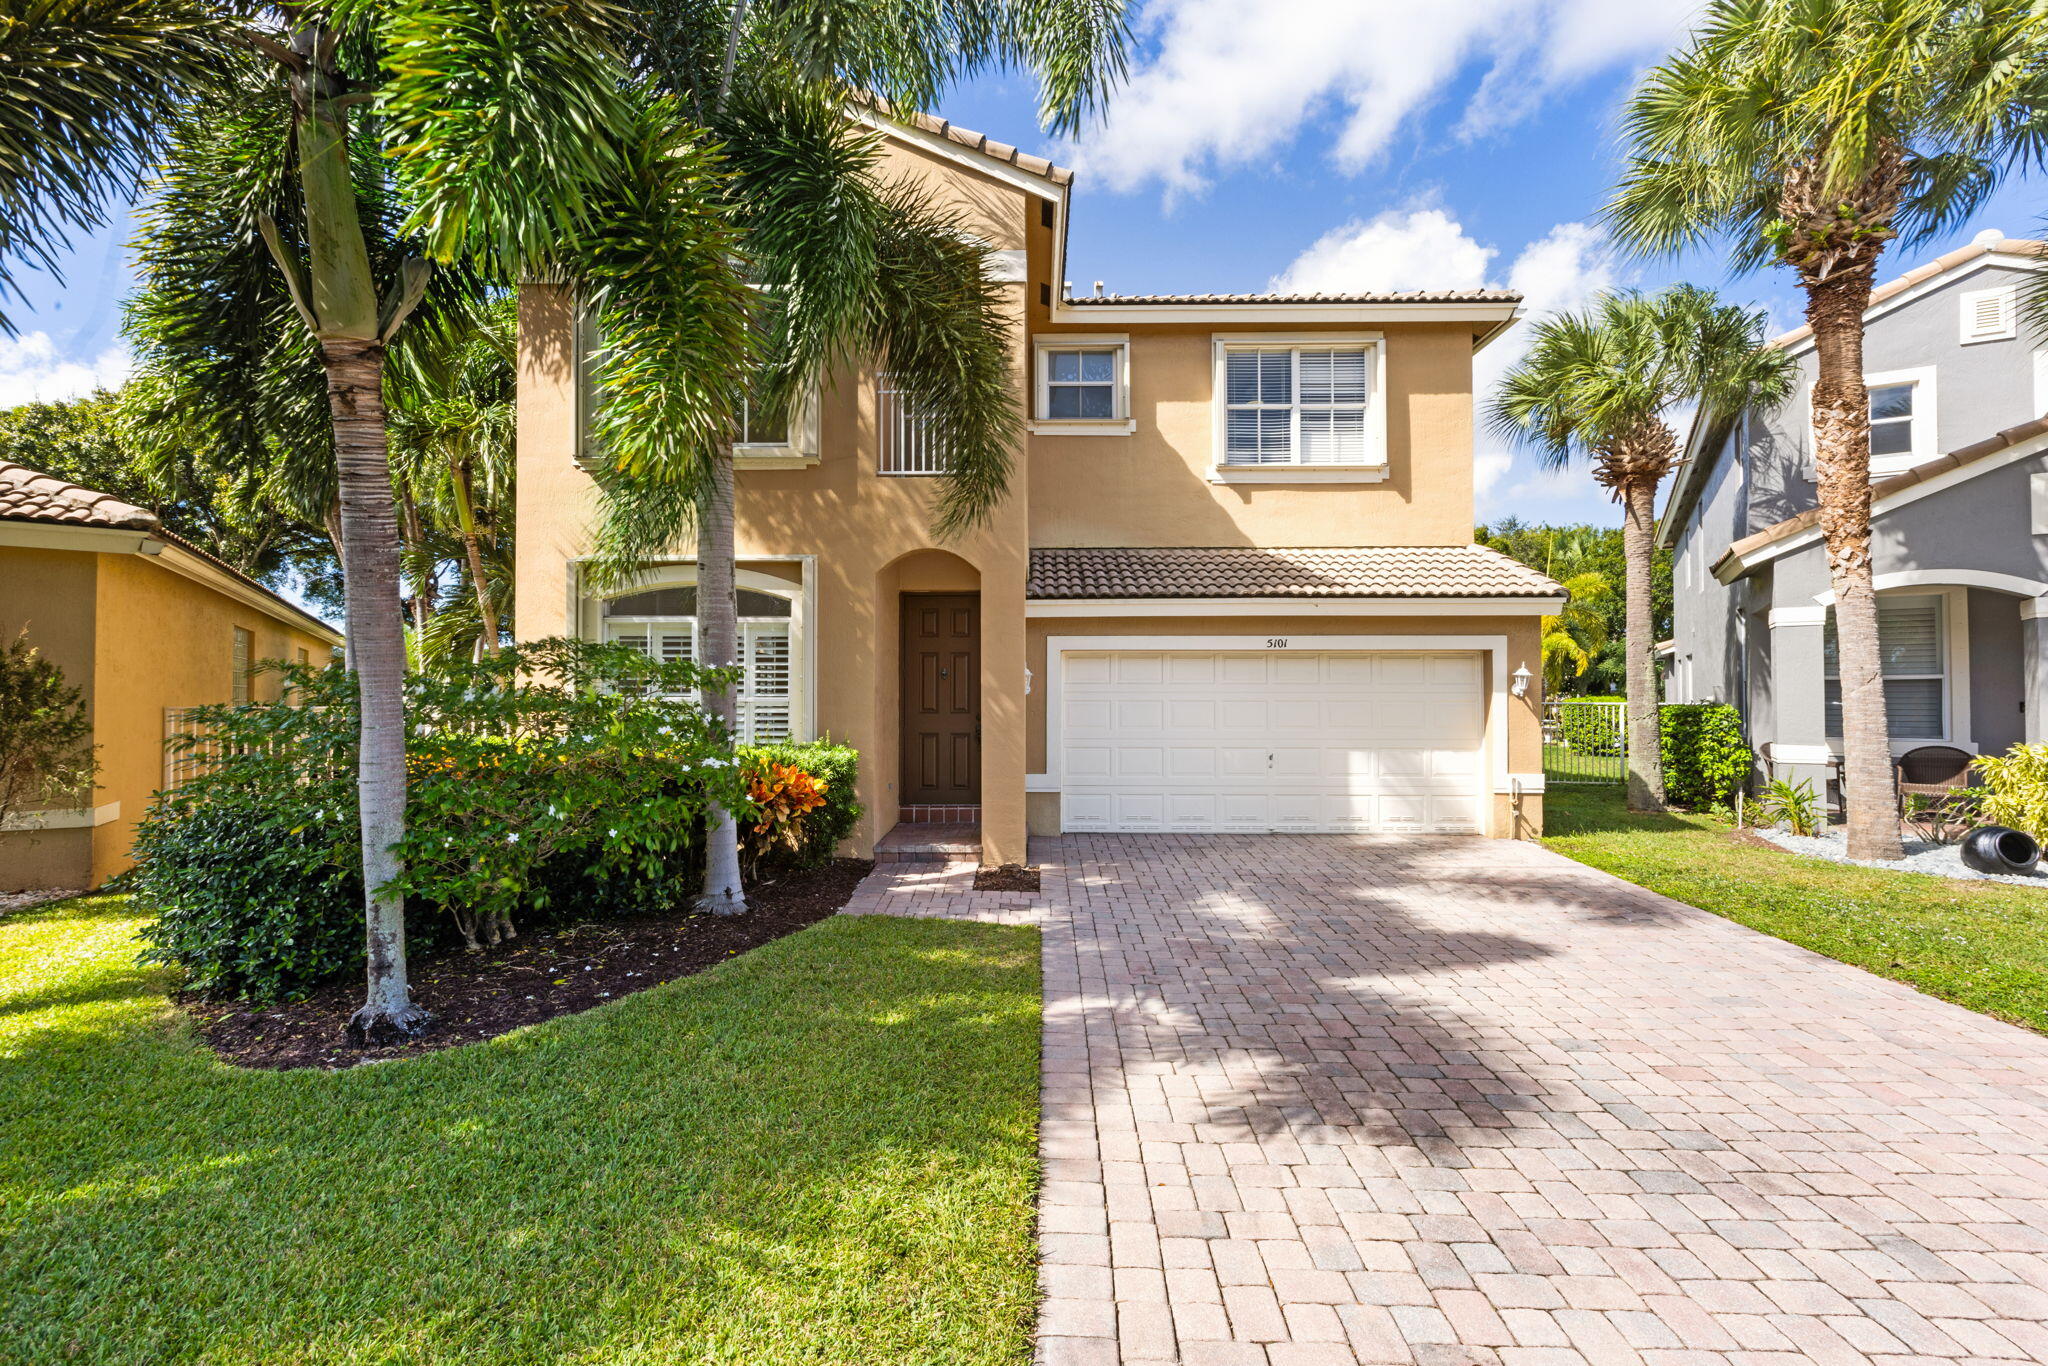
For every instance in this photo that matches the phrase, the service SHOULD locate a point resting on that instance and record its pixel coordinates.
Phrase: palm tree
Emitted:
(452, 452)
(86, 87)
(1577, 633)
(1597, 384)
(844, 264)
(291, 242)
(1811, 133)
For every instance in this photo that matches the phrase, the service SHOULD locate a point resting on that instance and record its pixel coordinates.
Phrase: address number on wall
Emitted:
(1276, 642)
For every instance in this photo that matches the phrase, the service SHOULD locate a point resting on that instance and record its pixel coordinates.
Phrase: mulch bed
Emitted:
(1007, 877)
(538, 976)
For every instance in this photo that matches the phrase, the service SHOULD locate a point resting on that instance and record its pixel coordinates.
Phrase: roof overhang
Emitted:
(1319, 606)
(1745, 556)
(1489, 320)
(173, 555)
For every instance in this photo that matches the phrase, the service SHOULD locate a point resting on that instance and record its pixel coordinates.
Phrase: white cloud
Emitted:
(1228, 84)
(31, 369)
(1427, 248)
(1412, 249)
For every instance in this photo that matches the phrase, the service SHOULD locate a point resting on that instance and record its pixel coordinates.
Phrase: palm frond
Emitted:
(86, 89)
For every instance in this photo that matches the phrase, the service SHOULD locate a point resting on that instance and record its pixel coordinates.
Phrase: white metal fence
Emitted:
(1585, 740)
(908, 443)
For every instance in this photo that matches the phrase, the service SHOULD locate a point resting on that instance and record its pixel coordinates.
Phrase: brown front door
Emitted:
(941, 698)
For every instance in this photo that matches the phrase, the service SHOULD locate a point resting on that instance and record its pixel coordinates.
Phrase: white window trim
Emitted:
(1925, 429)
(2009, 309)
(1121, 423)
(1370, 470)
(800, 451)
(1955, 668)
(803, 596)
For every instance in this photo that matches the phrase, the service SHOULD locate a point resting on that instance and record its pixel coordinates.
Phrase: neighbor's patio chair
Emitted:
(1940, 773)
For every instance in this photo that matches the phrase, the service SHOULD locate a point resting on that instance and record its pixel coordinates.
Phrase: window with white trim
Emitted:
(792, 432)
(1081, 383)
(1292, 404)
(1912, 643)
(661, 623)
(1990, 314)
(1891, 420)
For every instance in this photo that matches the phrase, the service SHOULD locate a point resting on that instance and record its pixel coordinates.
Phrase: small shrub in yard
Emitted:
(835, 769)
(2015, 789)
(1797, 808)
(1705, 760)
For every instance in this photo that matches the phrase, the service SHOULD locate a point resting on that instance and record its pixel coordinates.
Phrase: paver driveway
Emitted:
(1330, 1099)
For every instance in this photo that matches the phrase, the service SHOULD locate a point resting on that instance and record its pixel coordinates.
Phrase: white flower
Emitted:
(614, 834)
(512, 838)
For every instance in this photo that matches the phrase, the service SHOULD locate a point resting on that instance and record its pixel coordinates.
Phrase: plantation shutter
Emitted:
(765, 690)
(1302, 406)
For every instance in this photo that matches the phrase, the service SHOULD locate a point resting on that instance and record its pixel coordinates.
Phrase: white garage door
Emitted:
(1272, 740)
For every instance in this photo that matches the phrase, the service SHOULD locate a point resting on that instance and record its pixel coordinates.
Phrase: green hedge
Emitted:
(1705, 760)
(1592, 728)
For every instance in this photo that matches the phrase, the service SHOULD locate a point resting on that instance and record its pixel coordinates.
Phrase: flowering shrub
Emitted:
(551, 780)
(557, 751)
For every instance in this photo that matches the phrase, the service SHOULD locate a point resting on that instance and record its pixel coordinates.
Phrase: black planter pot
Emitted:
(1999, 849)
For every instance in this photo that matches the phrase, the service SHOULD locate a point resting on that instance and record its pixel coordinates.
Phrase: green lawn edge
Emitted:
(823, 1151)
(1983, 945)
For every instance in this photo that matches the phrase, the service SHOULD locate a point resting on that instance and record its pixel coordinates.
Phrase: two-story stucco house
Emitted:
(1959, 466)
(1233, 586)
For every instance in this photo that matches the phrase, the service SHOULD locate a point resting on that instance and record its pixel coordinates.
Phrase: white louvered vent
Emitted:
(1990, 314)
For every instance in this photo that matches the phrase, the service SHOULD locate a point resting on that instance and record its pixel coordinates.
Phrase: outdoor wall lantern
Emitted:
(1521, 688)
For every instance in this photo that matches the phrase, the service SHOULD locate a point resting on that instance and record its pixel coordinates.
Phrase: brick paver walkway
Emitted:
(1332, 1100)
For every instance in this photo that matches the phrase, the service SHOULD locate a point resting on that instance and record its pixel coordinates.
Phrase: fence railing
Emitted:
(908, 443)
(1585, 740)
(182, 762)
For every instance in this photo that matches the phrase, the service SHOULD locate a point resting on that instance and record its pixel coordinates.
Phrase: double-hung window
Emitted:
(1891, 420)
(1300, 403)
(1082, 385)
(1911, 642)
(661, 623)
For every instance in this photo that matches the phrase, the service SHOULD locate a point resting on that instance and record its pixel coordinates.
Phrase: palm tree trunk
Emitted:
(355, 395)
(465, 515)
(1645, 761)
(344, 311)
(718, 631)
(1841, 439)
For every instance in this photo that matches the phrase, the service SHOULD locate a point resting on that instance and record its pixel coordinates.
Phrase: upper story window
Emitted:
(1891, 420)
(1083, 386)
(1308, 404)
(778, 440)
(1990, 314)
(1902, 430)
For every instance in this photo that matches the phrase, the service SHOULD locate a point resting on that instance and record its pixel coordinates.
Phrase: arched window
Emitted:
(662, 623)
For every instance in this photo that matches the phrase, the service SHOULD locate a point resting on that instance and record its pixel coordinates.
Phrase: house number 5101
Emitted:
(1276, 642)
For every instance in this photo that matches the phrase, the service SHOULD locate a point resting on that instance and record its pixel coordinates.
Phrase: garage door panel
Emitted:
(1260, 741)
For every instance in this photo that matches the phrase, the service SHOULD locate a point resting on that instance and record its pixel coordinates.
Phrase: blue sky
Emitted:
(1331, 144)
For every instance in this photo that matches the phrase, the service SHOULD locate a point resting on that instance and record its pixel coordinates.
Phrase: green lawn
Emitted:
(820, 1152)
(1980, 944)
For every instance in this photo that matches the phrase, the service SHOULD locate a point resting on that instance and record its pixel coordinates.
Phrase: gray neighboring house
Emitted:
(1959, 465)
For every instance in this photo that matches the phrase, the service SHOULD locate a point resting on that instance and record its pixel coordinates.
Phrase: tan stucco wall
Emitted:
(139, 638)
(52, 593)
(1524, 714)
(870, 535)
(1154, 486)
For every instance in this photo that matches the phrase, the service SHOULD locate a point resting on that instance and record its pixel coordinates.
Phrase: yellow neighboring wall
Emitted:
(139, 633)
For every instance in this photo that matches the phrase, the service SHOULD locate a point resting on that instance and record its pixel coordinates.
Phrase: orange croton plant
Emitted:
(784, 793)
